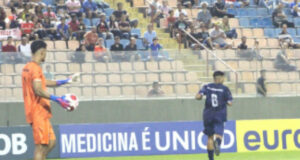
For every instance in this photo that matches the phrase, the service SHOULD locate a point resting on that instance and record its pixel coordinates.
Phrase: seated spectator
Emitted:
(90, 5)
(282, 62)
(79, 55)
(202, 37)
(130, 48)
(49, 28)
(124, 27)
(81, 31)
(103, 29)
(218, 37)
(117, 53)
(189, 3)
(27, 27)
(38, 10)
(156, 90)
(179, 11)
(49, 13)
(204, 15)
(74, 7)
(181, 24)
(120, 12)
(24, 49)
(114, 26)
(155, 48)
(261, 88)
(63, 30)
(265, 3)
(25, 11)
(91, 39)
(60, 5)
(100, 52)
(14, 23)
(219, 10)
(286, 40)
(62, 13)
(48, 74)
(11, 56)
(74, 27)
(279, 18)
(39, 30)
(294, 8)
(101, 4)
(2, 18)
(237, 3)
(244, 52)
(165, 9)
(230, 33)
(171, 21)
(149, 35)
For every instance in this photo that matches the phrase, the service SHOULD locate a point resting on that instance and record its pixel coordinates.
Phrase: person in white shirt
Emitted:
(73, 6)
(149, 35)
(180, 10)
(25, 49)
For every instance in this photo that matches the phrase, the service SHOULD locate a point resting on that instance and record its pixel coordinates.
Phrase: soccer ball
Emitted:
(73, 101)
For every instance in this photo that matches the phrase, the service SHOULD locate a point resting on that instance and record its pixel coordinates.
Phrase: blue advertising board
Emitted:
(130, 139)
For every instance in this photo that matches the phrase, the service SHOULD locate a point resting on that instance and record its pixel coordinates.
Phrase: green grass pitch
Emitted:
(286, 155)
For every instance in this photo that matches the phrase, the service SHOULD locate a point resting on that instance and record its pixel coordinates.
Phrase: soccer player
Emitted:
(36, 100)
(218, 97)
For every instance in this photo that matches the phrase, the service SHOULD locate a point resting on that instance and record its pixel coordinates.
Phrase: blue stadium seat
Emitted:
(287, 11)
(48, 2)
(269, 32)
(242, 12)
(136, 31)
(244, 22)
(296, 39)
(262, 12)
(139, 44)
(109, 43)
(298, 31)
(87, 22)
(277, 31)
(267, 22)
(292, 31)
(251, 12)
(108, 11)
(254, 22)
(124, 42)
(232, 11)
(297, 22)
(95, 21)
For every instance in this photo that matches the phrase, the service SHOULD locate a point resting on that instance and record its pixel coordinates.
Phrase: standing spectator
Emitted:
(79, 55)
(279, 18)
(286, 40)
(219, 10)
(119, 12)
(218, 37)
(154, 12)
(63, 30)
(103, 29)
(130, 50)
(149, 35)
(74, 7)
(156, 90)
(2, 18)
(91, 39)
(230, 33)
(165, 9)
(155, 48)
(244, 52)
(11, 56)
(282, 62)
(204, 15)
(171, 21)
(100, 52)
(27, 27)
(50, 14)
(48, 74)
(117, 53)
(90, 5)
(124, 27)
(261, 88)
(180, 10)
(24, 49)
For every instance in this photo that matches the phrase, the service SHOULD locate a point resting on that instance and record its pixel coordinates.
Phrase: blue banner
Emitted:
(130, 139)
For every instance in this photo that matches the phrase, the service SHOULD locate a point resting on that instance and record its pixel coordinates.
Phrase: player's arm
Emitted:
(73, 78)
(229, 97)
(198, 96)
(201, 93)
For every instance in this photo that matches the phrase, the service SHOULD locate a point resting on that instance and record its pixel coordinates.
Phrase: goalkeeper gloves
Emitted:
(62, 102)
(71, 79)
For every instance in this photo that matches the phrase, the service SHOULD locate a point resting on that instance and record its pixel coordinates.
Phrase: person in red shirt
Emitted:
(103, 29)
(11, 56)
(27, 27)
(100, 52)
(49, 13)
(74, 27)
(171, 20)
(90, 39)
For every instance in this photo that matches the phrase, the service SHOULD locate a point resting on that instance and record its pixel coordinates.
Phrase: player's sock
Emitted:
(210, 154)
(219, 141)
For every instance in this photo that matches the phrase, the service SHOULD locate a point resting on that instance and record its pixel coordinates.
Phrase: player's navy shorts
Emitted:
(213, 122)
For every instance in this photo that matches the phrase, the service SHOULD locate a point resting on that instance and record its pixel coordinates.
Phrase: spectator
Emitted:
(244, 52)
(155, 48)
(149, 35)
(27, 27)
(119, 12)
(279, 18)
(282, 62)
(62, 13)
(180, 10)
(286, 40)
(154, 12)
(14, 23)
(50, 14)
(265, 3)
(189, 3)
(230, 33)
(124, 27)
(38, 11)
(79, 56)
(114, 26)
(2, 19)
(12, 56)
(261, 88)
(101, 4)
(24, 49)
(116, 49)
(218, 37)
(15, 3)
(91, 39)
(204, 15)
(25, 11)
(39, 31)
(81, 31)
(237, 3)
(294, 8)
(171, 21)
(63, 31)
(90, 5)
(165, 9)
(156, 90)
(103, 29)
(202, 37)
(49, 28)
(181, 24)
(74, 7)
(74, 27)
(100, 53)
(219, 10)
(48, 74)
(130, 48)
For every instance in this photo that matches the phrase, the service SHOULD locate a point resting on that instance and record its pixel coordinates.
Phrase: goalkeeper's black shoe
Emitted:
(217, 148)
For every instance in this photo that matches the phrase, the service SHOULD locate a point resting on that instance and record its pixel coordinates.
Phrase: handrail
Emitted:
(219, 59)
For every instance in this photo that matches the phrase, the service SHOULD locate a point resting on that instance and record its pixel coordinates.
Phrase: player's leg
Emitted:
(39, 152)
(51, 139)
(49, 148)
(209, 131)
(219, 130)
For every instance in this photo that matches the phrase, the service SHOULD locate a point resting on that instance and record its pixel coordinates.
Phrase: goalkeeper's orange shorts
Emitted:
(42, 131)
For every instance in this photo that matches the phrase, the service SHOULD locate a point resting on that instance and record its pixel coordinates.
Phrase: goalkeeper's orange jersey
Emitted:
(34, 105)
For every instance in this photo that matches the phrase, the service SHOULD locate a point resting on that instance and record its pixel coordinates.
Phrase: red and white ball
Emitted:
(73, 101)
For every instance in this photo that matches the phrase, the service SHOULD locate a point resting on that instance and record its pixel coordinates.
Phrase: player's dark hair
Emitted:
(218, 73)
(36, 45)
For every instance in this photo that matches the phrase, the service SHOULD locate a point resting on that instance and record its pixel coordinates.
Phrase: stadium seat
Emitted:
(234, 22)
(100, 67)
(126, 66)
(100, 79)
(165, 66)
(249, 88)
(61, 56)
(296, 39)
(248, 76)
(243, 65)
(128, 91)
(74, 67)
(101, 92)
(61, 91)
(73, 45)
(7, 80)
(233, 64)
(166, 77)
(232, 11)
(177, 65)
(127, 78)
(114, 91)
(114, 78)
(151, 77)
(109, 43)
(286, 88)
(277, 32)
(124, 42)
(139, 66)
(273, 43)
(292, 32)
(108, 11)
(7, 92)
(139, 44)
(254, 22)
(60, 45)
(87, 92)
(113, 67)
(262, 12)
(271, 76)
(76, 91)
(193, 88)
(262, 42)
(17, 80)
(87, 22)
(179, 77)
(61, 68)
(293, 75)
(19, 68)
(282, 76)
(168, 89)
(141, 91)
(88, 67)
(247, 32)
(297, 22)
(267, 22)
(140, 78)
(268, 64)
(87, 79)
(265, 52)
(191, 77)
(251, 12)
(48, 2)
(136, 31)
(258, 33)
(50, 45)
(7, 69)
(89, 57)
(152, 66)
(244, 22)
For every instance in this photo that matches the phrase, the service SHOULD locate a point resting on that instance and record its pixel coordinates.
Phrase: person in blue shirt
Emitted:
(155, 48)
(63, 30)
(218, 97)
(90, 6)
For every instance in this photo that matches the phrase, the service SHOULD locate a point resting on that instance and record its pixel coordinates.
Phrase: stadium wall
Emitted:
(162, 110)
